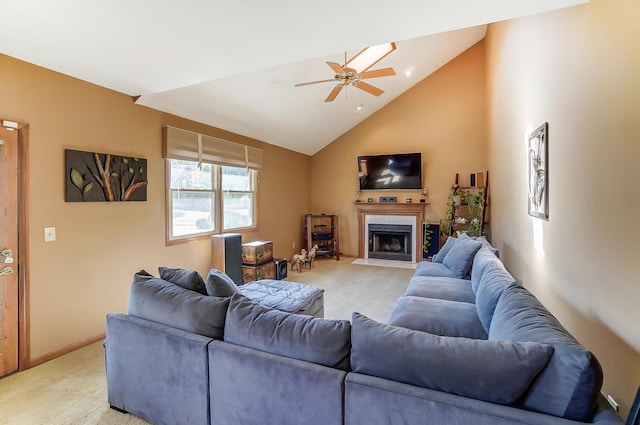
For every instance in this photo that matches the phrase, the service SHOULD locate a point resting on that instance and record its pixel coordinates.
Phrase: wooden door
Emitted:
(8, 251)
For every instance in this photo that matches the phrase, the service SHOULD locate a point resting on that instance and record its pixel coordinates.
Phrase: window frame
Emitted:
(218, 204)
(252, 192)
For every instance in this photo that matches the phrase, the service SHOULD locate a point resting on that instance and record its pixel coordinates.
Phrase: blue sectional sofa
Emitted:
(477, 348)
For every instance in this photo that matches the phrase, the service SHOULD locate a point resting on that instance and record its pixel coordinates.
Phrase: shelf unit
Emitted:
(322, 230)
(470, 203)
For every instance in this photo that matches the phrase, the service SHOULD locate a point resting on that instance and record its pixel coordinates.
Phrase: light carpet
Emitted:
(72, 389)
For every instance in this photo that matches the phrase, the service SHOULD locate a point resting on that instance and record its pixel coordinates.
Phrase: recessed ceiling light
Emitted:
(359, 107)
(407, 73)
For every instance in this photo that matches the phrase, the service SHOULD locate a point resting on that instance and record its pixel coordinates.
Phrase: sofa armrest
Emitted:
(252, 387)
(376, 401)
(157, 372)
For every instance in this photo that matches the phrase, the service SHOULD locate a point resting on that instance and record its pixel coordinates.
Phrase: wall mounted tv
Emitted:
(392, 171)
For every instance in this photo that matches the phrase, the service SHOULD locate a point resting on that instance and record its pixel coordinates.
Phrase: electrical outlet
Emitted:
(613, 403)
(294, 245)
(49, 234)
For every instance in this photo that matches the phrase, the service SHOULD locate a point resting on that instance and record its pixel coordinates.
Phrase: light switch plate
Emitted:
(49, 234)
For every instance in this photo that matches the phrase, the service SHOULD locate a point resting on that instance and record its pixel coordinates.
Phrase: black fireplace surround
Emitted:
(390, 242)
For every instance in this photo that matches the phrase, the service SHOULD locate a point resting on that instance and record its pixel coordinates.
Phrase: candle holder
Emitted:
(423, 198)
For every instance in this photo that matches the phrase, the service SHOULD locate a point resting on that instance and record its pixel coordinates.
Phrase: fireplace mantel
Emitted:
(396, 208)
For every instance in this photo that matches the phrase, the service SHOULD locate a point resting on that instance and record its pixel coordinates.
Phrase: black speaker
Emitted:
(281, 268)
(226, 255)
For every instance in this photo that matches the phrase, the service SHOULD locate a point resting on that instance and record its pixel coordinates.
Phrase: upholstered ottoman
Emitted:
(292, 297)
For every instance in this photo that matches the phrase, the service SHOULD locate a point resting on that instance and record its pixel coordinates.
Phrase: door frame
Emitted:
(24, 334)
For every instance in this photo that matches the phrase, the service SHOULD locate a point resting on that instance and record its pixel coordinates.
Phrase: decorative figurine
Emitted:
(298, 260)
(311, 256)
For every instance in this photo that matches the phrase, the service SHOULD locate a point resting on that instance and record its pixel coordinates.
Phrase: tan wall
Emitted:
(578, 70)
(442, 116)
(86, 273)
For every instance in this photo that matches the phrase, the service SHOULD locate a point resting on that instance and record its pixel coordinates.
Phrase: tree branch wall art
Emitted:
(102, 177)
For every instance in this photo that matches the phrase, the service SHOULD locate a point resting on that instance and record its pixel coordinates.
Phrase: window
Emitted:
(194, 197)
(238, 198)
(211, 184)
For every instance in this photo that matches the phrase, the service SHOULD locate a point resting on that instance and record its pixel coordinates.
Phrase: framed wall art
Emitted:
(538, 158)
(103, 177)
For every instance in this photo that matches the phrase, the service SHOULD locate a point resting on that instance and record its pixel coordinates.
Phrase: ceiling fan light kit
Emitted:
(356, 69)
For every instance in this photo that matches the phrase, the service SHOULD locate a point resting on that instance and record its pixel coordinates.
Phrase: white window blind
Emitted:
(184, 144)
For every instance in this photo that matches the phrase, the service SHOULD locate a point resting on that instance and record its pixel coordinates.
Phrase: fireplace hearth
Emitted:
(390, 242)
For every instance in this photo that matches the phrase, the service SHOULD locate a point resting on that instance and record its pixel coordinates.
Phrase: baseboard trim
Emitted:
(65, 350)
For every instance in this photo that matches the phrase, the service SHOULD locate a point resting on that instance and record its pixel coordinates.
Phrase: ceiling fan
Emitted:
(356, 69)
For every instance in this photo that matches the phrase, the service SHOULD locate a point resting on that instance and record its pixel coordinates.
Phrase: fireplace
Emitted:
(390, 242)
(406, 214)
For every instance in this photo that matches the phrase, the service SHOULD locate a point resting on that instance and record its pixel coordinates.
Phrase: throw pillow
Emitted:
(494, 371)
(322, 341)
(160, 301)
(460, 257)
(188, 279)
(219, 284)
(451, 241)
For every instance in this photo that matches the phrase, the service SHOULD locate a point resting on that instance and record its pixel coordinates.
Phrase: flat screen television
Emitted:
(392, 171)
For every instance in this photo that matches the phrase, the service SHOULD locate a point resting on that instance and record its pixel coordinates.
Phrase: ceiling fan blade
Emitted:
(314, 82)
(336, 68)
(334, 93)
(369, 88)
(385, 72)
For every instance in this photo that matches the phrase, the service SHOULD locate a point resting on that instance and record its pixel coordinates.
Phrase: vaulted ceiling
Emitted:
(234, 64)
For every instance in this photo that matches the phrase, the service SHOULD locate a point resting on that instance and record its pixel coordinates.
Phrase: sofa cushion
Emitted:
(438, 317)
(188, 279)
(161, 301)
(321, 341)
(571, 382)
(482, 259)
(219, 284)
(486, 244)
(443, 288)
(493, 371)
(449, 243)
(493, 282)
(428, 268)
(460, 257)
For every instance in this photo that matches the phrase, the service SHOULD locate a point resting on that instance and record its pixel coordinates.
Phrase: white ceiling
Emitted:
(233, 64)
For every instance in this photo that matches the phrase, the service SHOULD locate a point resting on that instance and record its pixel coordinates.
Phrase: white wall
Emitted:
(579, 70)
